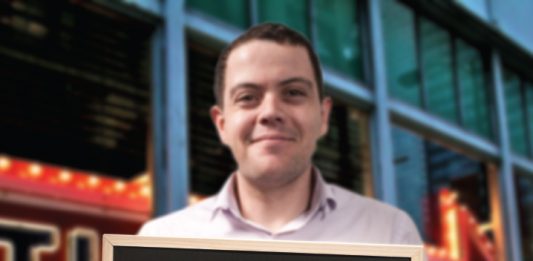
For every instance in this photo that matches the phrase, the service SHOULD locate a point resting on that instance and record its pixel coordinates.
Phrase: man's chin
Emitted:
(273, 163)
(273, 172)
(271, 167)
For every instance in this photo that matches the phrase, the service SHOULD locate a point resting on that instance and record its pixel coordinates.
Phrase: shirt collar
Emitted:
(322, 198)
(225, 199)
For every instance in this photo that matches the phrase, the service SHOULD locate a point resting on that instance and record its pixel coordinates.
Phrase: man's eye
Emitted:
(245, 98)
(295, 93)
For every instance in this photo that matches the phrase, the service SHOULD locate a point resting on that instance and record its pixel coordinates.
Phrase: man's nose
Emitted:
(271, 111)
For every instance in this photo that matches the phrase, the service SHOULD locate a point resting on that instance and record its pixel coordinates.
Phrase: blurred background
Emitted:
(104, 118)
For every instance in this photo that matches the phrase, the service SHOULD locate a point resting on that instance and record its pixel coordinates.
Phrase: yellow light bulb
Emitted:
(94, 181)
(120, 186)
(65, 176)
(5, 163)
(35, 170)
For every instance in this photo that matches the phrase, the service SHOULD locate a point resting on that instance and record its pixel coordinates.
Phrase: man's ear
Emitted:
(325, 110)
(217, 116)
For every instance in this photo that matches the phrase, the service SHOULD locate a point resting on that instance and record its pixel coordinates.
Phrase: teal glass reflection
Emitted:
(474, 90)
(234, 12)
(338, 36)
(400, 52)
(515, 113)
(529, 104)
(437, 65)
(411, 175)
(292, 13)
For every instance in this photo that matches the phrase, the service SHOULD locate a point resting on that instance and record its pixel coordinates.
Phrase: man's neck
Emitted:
(275, 207)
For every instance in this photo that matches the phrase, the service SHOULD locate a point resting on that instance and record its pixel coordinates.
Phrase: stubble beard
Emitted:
(274, 178)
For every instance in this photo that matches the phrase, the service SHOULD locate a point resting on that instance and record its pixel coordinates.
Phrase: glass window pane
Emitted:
(524, 185)
(292, 13)
(338, 36)
(474, 91)
(343, 155)
(400, 52)
(60, 67)
(410, 169)
(424, 171)
(234, 12)
(436, 54)
(529, 104)
(515, 113)
(210, 162)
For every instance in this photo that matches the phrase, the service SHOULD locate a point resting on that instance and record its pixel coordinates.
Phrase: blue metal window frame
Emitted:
(508, 198)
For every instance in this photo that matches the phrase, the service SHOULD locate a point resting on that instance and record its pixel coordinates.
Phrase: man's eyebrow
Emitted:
(305, 81)
(254, 86)
(245, 85)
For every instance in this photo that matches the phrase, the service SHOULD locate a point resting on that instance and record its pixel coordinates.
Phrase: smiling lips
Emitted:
(272, 138)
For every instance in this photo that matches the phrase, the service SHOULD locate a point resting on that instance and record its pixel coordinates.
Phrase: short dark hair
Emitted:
(277, 33)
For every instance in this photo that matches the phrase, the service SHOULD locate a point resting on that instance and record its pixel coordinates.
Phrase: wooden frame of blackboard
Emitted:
(137, 248)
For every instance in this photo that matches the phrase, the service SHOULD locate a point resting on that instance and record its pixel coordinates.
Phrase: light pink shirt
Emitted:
(336, 214)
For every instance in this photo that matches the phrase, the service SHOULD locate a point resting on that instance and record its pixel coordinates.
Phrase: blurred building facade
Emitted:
(109, 100)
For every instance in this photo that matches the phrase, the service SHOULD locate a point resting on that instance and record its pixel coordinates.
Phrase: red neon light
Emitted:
(461, 239)
(54, 182)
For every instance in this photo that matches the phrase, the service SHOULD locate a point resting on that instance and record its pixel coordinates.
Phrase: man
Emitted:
(270, 112)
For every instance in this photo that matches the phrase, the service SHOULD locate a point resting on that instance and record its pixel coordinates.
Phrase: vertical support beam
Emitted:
(506, 177)
(383, 162)
(170, 116)
(496, 209)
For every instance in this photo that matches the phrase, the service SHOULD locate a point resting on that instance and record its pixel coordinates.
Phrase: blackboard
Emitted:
(136, 248)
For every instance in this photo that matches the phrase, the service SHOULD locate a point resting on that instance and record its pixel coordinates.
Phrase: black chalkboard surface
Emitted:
(136, 248)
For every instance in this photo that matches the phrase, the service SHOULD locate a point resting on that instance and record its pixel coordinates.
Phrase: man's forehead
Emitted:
(261, 62)
(264, 49)
(257, 59)
(266, 69)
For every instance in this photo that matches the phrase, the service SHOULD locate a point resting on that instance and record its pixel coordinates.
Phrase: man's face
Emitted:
(272, 115)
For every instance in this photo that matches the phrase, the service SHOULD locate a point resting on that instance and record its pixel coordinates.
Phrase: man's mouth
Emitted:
(274, 138)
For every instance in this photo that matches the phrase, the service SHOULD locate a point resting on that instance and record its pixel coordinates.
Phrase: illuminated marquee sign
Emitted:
(31, 241)
(86, 188)
(462, 238)
(51, 213)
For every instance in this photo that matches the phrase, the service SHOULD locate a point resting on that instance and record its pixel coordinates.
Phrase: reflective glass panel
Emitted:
(529, 104)
(400, 52)
(234, 12)
(410, 168)
(338, 36)
(474, 90)
(436, 54)
(515, 113)
(292, 13)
